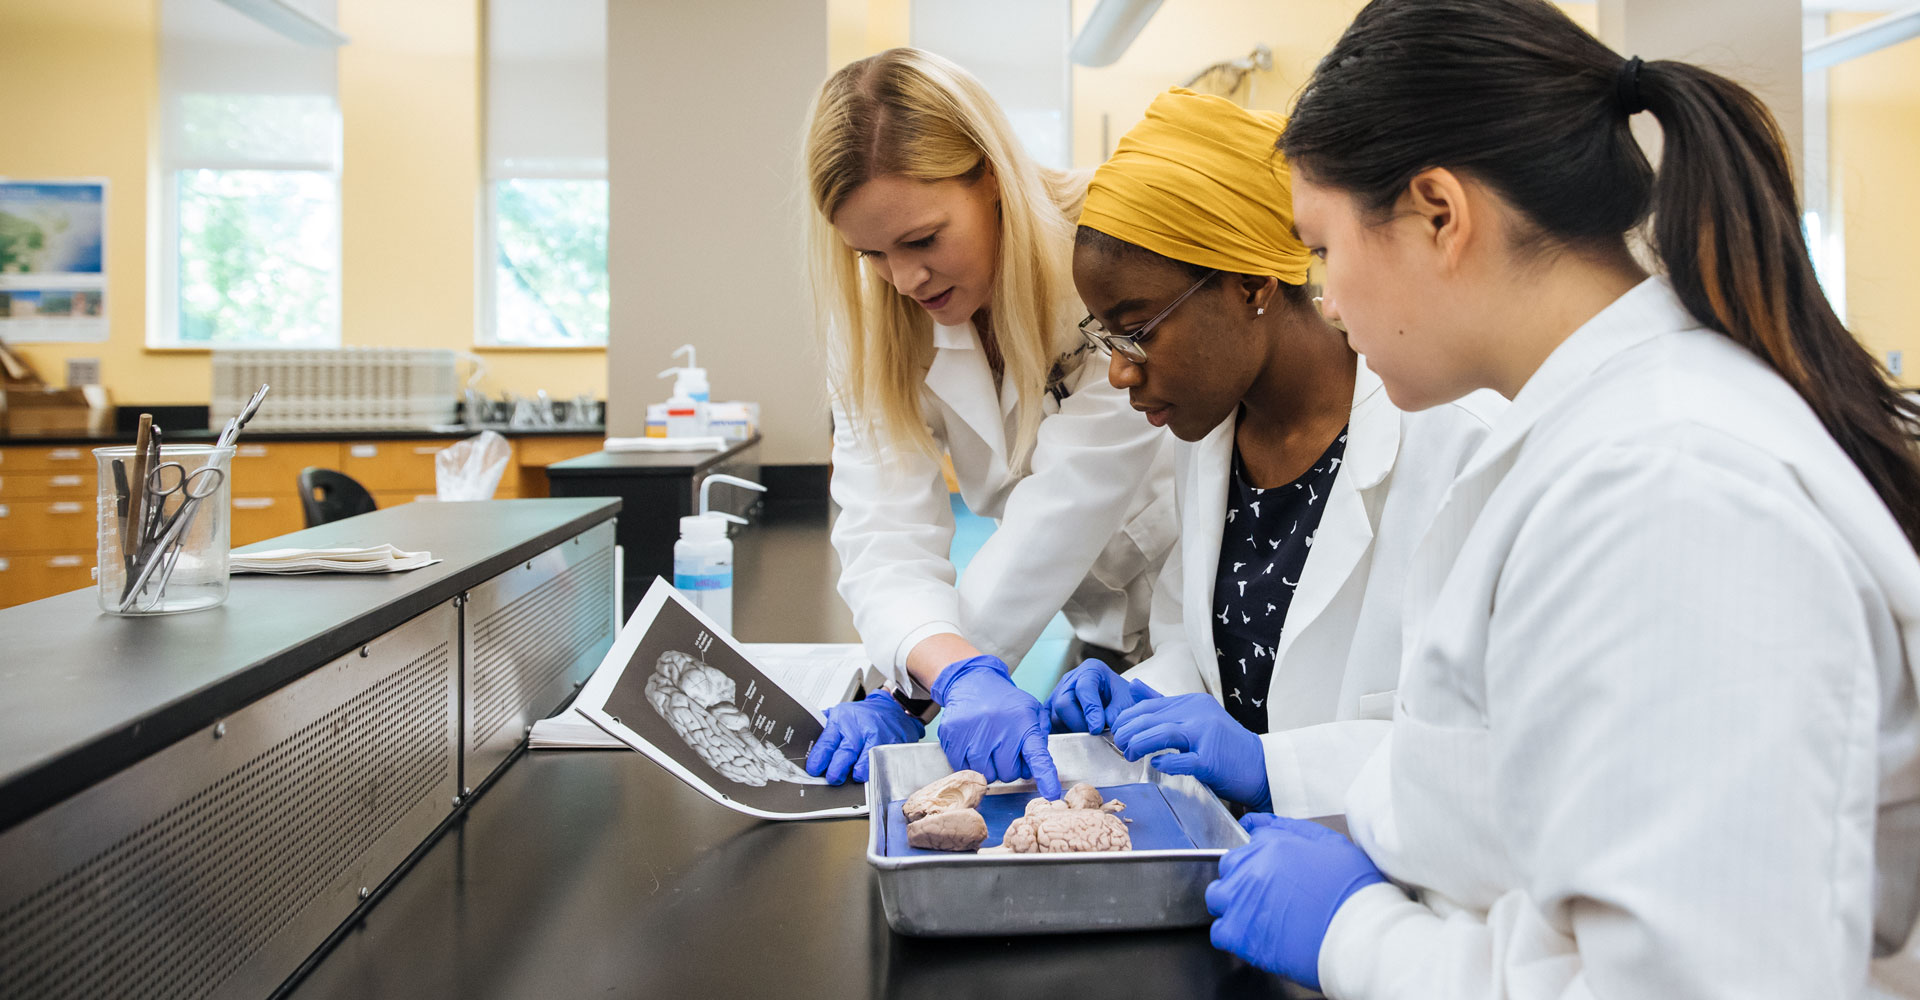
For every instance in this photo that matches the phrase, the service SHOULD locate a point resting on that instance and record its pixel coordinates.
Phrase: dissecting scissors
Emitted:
(168, 479)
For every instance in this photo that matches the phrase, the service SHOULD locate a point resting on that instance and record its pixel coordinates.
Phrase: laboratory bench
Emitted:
(667, 485)
(190, 804)
(321, 790)
(47, 485)
(589, 873)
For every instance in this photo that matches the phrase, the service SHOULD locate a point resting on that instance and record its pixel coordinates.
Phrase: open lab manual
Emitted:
(733, 720)
(820, 674)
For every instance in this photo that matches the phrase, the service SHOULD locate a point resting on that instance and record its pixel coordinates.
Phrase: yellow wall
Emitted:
(82, 80)
(859, 28)
(1184, 38)
(1874, 156)
(1587, 15)
(81, 77)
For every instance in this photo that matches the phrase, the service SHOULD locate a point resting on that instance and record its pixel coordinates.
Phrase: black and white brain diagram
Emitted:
(697, 700)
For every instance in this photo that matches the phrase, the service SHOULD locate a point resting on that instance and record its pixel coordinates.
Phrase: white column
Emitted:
(706, 104)
(1756, 42)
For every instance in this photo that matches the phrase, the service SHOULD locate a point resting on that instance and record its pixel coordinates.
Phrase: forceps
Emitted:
(234, 424)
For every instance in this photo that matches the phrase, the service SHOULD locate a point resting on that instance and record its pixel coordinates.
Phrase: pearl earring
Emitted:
(1262, 311)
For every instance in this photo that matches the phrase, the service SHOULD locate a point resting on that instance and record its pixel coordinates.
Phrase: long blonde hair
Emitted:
(911, 113)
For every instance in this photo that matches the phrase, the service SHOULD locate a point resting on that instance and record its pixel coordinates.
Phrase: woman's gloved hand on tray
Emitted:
(1091, 697)
(1278, 893)
(853, 729)
(1212, 745)
(989, 725)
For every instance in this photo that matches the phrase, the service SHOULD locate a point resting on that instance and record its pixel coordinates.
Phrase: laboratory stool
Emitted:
(326, 495)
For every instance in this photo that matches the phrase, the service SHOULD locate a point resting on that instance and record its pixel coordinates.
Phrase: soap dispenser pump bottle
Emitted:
(687, 407)
(703, 557)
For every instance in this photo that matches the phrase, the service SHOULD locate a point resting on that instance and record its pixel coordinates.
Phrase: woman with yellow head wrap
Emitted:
(1302, 489)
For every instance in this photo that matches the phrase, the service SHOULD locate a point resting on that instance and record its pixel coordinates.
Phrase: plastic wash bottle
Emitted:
(703, 557)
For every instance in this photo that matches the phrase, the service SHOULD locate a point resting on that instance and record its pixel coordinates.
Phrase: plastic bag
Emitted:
(471, 469)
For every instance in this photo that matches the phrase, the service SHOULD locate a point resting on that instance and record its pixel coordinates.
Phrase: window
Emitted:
(250, 183)
(543, 266)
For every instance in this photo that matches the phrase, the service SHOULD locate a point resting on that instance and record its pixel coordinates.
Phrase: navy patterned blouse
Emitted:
(1268, 536)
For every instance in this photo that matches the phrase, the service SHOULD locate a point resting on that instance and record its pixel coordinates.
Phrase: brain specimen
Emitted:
(697, 701)
(1081, 796)
(949, 830)
(959, 790)
(941, 817)
(1062, 830)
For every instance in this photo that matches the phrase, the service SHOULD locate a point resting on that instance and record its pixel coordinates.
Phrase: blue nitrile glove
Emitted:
(1212, 746)
(1277, 895)
(991, 726)
(1091, 696)
(855, 727)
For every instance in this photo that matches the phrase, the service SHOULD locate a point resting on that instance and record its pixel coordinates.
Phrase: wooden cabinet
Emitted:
(49, 459)
(46, 486)
(272, 468)
(394, 498)
(48, 521)
(393, 465)
(48, 524)
(266, 490)
(536, 453)
(261, 517)
(29, 576)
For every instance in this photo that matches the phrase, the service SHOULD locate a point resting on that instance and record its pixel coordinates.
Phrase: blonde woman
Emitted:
(943, 272)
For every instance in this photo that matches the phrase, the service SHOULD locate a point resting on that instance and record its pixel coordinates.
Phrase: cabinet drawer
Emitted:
(394, 498)
(31, 576)
(58, 572)
(394, 466)
(57, 458)
(257, 518)
(273, 469)
(47, 485)
(540, 452)
(14, 586)
(48, 525)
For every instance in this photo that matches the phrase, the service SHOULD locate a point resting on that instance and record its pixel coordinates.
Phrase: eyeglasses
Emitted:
(1127, 345)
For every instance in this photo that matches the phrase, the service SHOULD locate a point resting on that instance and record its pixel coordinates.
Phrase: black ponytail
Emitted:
(1517, 96)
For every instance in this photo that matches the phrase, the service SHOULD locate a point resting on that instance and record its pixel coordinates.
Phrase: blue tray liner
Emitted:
(1154, 826)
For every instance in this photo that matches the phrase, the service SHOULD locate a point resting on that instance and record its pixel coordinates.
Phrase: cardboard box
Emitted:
(51, 411)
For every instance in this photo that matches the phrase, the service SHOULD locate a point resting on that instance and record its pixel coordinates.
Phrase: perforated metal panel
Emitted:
(213, 868)
(532, 634)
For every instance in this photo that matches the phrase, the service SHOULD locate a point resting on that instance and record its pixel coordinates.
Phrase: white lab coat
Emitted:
(1338, 654)
(1656, 733)
(1083, 532)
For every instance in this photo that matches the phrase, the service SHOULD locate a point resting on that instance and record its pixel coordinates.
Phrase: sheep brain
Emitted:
(942, 817)
(959, 790)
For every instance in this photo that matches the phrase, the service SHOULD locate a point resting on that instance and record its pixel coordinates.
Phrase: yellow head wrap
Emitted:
(1199, 181)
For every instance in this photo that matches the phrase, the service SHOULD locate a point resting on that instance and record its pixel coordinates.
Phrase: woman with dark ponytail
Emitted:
(1656, 732)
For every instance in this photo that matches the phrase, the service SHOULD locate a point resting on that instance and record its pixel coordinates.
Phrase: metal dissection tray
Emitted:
(965, 893)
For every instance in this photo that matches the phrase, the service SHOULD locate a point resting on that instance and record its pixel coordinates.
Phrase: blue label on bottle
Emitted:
(702, 581)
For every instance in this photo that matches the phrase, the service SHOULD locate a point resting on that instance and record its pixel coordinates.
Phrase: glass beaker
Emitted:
(164, 531)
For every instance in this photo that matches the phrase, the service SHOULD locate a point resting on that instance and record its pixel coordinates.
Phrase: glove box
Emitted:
(942, 895)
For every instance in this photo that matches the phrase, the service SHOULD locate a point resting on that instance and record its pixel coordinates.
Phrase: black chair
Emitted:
(326, 495)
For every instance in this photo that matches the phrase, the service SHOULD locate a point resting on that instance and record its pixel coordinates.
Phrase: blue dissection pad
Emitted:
(1154, 826)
